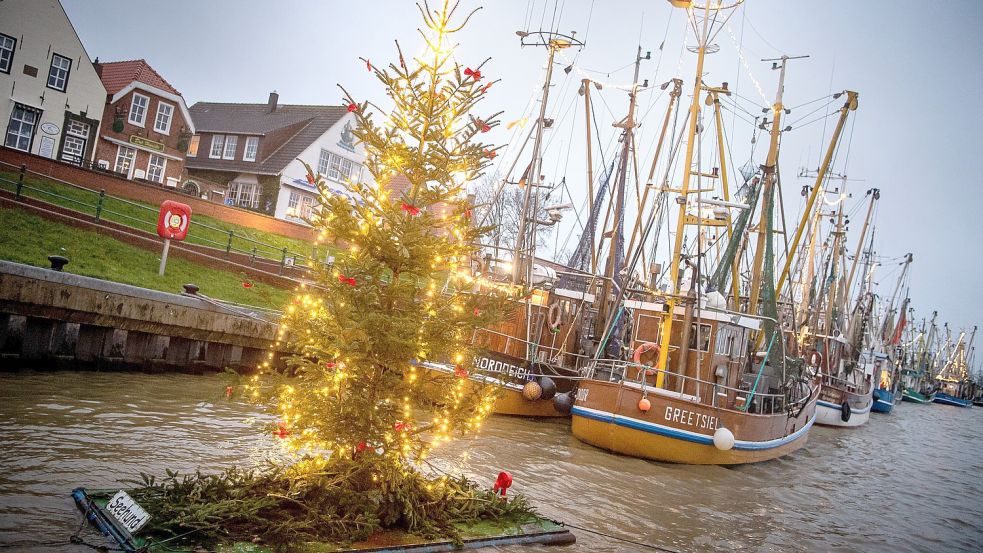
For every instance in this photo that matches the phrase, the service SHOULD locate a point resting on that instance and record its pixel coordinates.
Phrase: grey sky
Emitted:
(916, 65)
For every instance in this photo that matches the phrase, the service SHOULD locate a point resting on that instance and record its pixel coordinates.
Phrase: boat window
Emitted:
(726, 336)
(704, 334)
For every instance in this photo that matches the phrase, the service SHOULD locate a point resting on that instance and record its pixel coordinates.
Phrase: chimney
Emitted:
(273, 100)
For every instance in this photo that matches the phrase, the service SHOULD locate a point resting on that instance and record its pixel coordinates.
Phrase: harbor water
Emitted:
(909, 481)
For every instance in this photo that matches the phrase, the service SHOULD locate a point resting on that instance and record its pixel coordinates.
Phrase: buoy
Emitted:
(644, 405)
(723, 439)
(532, 390)
(716, 300)
(548, 386)
(563, 403)
(845, 412)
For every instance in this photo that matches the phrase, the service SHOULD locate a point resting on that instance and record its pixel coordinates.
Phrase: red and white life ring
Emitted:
(815, 358)
(643, 349)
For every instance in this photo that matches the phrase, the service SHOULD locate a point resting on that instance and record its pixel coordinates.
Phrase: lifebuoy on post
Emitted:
(845, 411)
(815, 358)
(555, 316)
(650, 351)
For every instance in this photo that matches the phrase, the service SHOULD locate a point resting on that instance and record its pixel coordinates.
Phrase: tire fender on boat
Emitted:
(845, 411)
(643, 348)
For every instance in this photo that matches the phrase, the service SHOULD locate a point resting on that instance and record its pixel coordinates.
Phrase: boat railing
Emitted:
(848, 385)
(692, 389)
(554, 358)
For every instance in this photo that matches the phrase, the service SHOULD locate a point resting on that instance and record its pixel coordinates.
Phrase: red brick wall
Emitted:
(107, 151)
(153, 194)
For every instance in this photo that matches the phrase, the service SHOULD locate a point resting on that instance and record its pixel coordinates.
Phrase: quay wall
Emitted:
(55, 320)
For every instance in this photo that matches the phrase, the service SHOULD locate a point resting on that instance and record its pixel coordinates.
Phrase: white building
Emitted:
(248, 153)
(54, 98)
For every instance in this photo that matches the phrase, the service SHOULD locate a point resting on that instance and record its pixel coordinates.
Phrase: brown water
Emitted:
(909, 481)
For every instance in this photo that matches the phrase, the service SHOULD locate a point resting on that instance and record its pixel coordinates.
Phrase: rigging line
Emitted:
(734, 112)
(528, 15)
(553, 18)
(793, 108)
(796, 122)
(737, 84)
(829, 89)
(738, 107)
(816, 120)
(849, 146)
(543, 16)
(763, 39)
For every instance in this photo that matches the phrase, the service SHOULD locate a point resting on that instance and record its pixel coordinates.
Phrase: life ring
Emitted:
(815, 358)
(646, 348)
(845, 412)
(555, 316)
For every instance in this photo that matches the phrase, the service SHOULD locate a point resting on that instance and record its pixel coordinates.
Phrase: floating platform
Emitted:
(542, 531)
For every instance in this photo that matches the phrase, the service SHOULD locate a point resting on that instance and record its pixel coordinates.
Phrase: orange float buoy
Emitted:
(644, 404)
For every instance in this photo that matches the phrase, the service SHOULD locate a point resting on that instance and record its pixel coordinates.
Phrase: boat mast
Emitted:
(525, 243)
(612, 270)
(835, 259)
(769, 170)
(684, 190)
(875, 195)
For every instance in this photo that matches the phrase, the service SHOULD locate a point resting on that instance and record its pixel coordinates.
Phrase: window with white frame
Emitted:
(218, 145)
(124, 160)
(155, 169)
(230, 147)
(7, 46)
(306, 206)
(243, 194)
(58, 72)
(322, 162)
(138, 109)
(162, 123)
(252, 144)
(20, 129)
(73, 144)
(292, 202)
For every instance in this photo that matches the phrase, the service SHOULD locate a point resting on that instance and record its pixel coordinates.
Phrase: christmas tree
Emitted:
(362, 398)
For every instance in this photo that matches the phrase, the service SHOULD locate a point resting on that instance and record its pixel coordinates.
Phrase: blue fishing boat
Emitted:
(948, 399)
(888, 391)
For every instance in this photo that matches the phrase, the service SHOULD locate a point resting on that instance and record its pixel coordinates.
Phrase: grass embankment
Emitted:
(143, 216)
(30, 239)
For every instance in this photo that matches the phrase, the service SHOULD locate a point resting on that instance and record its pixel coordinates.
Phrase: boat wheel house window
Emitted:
(702, 332)
(20, 129)
(7, 46)
(58, 72)
(138, 109)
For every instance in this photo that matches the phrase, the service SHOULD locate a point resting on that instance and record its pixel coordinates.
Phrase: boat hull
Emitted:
(830, 410)
(512, 403)
(946, 399)
(679, 430)
(884, 401)
(916, 397)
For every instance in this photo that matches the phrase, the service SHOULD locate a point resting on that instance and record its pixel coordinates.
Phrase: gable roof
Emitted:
(301, 125)
(116, 75)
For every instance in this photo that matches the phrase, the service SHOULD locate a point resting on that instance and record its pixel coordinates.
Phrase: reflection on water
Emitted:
(910, 483)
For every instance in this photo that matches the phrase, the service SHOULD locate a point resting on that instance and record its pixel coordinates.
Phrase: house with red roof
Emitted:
(146, 127)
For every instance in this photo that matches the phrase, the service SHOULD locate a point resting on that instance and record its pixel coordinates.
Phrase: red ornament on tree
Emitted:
(361, 446)
(490, 154)
(228, 392)
(473, 73)
(460, 371)
(411, 209)
(368, 65)
(352, 107)
(503, 482)
(310, 179)
(246, 284)
(346, 280)
(401, 426)
(484, 127)
(487, 86)
(281, 431)
(329, 365)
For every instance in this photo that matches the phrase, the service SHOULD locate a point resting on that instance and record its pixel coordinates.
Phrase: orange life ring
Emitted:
(646, 348)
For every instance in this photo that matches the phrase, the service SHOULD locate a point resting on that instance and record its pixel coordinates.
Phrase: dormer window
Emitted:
(252, 145)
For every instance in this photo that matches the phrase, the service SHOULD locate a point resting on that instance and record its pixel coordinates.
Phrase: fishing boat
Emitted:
(887, 394)
(684, 374)
(953, 380)
(891, 351)
(916, 386)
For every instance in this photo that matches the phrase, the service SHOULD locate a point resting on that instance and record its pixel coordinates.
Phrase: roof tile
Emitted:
(117, 75)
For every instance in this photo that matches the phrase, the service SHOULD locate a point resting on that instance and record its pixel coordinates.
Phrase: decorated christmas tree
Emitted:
(379, 370)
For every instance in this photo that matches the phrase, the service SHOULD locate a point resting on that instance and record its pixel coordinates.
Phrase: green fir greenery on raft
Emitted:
(359, 404)
(280, 506)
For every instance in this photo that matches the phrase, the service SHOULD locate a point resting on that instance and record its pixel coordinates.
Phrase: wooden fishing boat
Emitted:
(844, 400)
(719, 385)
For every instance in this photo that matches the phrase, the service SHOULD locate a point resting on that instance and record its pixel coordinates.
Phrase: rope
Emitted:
(623, 540)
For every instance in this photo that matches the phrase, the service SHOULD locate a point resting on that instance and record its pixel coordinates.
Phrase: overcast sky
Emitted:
(916, 64)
